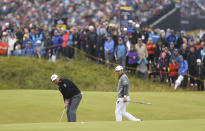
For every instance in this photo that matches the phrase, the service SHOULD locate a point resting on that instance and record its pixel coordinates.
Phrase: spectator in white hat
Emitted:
(200, 75)
(130, 27)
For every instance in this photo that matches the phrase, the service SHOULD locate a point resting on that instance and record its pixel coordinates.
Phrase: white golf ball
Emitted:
(82, 123)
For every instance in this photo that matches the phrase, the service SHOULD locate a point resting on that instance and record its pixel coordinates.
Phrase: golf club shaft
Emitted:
(62, 115)
(140, 102)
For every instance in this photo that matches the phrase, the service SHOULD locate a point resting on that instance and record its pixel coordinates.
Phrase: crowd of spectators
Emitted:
(191, 8)
(77, 12)
(145, 9)
(28, 29)
(167, 55)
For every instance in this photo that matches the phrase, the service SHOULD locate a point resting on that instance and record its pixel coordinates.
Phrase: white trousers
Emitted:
(178, 81)
(120, 110)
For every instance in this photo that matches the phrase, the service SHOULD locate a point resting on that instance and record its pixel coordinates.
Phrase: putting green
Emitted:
(157, 125)
(21, 109)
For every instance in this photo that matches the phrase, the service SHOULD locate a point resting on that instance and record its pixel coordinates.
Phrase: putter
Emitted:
(62, 115)
(136, 102)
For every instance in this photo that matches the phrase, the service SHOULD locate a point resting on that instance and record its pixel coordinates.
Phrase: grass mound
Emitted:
(32, 73)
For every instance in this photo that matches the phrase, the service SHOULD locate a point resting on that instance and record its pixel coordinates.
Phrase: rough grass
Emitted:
(32, 73)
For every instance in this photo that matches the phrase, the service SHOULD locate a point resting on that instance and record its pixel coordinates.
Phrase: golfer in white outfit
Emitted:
(123, 96)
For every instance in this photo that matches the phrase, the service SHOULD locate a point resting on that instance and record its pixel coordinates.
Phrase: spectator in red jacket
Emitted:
(151, 50)
(65, 41)
(3, 48)
(173, 71)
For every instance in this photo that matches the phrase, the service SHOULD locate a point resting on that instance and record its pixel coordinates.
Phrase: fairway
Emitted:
(32, 110)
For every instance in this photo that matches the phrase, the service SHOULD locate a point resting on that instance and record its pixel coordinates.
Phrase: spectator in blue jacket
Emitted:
(182, 73)
(202, 54)
(155, 36)
(109, 50)
(120, 53)
(26, 40)
(142, 67)
(29, 51)
(175, 55)
(57, 43)
(130, 27)
(36, 36)
(172, 38)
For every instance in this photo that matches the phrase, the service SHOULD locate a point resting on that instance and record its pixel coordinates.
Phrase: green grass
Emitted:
(32, 73)
(39, 107)
(36, 110)
(160, 125)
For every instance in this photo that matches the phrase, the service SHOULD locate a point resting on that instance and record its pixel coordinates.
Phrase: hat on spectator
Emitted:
(137, 25)
(38, 41)
(7, 24)
(172, 43)
(176, 50)
(130, 21)
(25, 35)
(91, 27)
(198, 60)
(125, 29)
(164, 54)
(180, 56)
(130, 33)
(182, 32)
(4, 33)
(162, 31)
(120, 38)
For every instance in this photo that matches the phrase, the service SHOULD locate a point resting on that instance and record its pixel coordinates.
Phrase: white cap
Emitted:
(4, 33)
(91, 27)
(162, 31)
(54, 77)
(198, 60)
(38, 41)
(125, 29)
(137, 25)
(118, 68)
(7, 24)
(130, 21)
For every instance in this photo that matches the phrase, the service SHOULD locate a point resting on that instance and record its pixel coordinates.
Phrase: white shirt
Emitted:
(11, 43)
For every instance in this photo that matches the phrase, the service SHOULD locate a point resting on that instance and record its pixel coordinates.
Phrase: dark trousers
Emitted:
(200, 85)
(184, 82)
(70, 52)
(162, 75)
(191, 72)
(172, 79)
(132, 68)
(72, 107)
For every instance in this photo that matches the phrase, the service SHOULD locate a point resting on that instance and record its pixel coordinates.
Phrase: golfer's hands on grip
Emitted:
(66, 103)
(124, 99)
